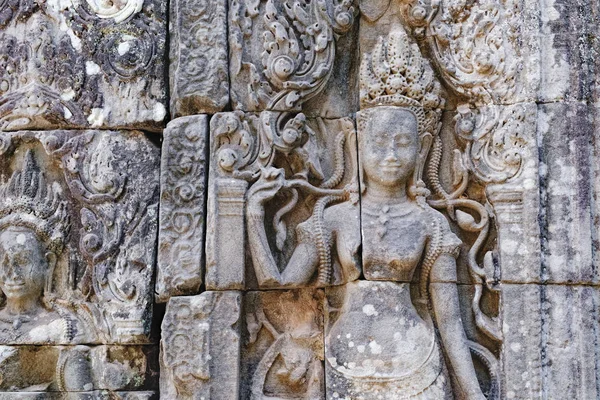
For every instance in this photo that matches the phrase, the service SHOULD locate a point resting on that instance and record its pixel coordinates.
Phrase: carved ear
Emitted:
(372, 10)
(51, 260)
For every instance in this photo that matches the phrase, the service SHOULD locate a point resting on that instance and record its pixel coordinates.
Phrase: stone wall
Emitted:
(299, 199)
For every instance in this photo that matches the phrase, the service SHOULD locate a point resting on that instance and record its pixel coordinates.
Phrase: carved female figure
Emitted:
(33, 226)
(402, 237)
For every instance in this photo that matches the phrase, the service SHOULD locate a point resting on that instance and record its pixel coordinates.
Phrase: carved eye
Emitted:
(403, 140)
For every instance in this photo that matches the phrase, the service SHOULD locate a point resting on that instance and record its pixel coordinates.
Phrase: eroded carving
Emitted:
(34, 225)
(200, 347)
(77, 368)
(198, 72)
(283, 351)
(65, 66)
(109, 195)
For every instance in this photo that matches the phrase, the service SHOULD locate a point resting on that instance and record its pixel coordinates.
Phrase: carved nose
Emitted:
(391, 157)
(12, 271)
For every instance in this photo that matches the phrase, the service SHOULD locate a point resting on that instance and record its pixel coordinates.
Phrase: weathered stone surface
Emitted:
(570, 341)
(282, 53)
(521, 374)
(182, 192)
(198, 70)
(282, 189)
(282, 350)
(566, 224)
(200, 347)
(78, 219)
(82, 64)
(95, 395)
(77, 368)
(551, 329)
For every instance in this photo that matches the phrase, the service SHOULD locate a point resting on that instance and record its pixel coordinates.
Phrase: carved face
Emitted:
(389, 147)
(23, 264)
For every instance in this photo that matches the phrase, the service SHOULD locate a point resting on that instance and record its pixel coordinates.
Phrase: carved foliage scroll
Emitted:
(282, 51)
(181, 236)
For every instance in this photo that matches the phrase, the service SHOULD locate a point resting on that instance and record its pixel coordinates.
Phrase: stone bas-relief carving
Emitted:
(198, 72)
(82, 64)
(282, 351)
(401, 233)
(77, 368)
(282, 52)
(77, 232)
(200, 347)
(181, 234)
(275, 184)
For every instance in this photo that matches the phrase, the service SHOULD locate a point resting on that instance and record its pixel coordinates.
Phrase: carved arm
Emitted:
(444, 298)
(304, 261)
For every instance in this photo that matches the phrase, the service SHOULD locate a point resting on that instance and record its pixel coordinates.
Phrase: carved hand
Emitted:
(268, 185)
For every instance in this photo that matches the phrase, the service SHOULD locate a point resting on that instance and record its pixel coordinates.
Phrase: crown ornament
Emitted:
(396, 74)
(27, 200)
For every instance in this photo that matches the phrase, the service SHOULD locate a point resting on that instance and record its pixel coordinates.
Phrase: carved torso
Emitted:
(395, 238)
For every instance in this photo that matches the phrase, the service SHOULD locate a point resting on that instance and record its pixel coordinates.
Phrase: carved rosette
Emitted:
(68, 74)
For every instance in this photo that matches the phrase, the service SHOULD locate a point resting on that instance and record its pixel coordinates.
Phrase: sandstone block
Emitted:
(280, 185)
(88, 64)
(200, 347)
(281, 56)
(198, 70)
(79, 214)
(78, 368)
(282, 350)
(182, 218)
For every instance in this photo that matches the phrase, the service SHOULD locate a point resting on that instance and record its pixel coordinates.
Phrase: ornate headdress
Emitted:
(26, 200)
(396, 74)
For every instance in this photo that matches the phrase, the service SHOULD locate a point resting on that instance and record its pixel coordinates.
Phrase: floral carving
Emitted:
(494, 141)
(109, 275)
(182, 208)
(298, 48)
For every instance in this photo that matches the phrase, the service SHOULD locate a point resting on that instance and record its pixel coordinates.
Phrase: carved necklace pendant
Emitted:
(383, 219)
(384, 215)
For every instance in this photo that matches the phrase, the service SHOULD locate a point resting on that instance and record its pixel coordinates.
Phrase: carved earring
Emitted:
(418, 188)
(51, 260)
